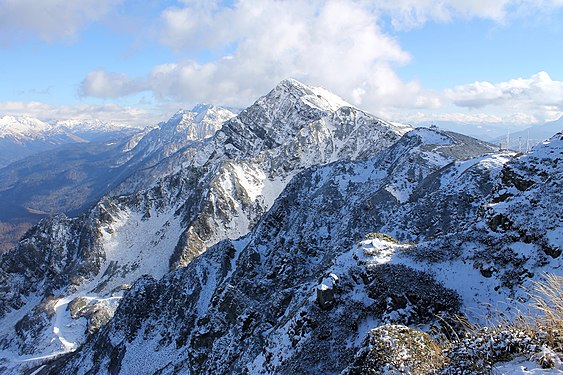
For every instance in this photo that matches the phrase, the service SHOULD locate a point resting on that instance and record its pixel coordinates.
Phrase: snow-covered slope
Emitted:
(221, 188)
(301, 291)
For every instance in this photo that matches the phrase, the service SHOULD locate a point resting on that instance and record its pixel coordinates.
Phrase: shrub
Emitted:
(397, 349)
(527, 334)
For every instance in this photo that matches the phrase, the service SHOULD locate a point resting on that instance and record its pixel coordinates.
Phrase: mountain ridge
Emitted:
(263, 294)
(210, 188)
(257, 250)
(71, 178)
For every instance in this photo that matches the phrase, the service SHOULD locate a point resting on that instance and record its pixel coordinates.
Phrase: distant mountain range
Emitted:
(525, 139)
(520, 139)
(73, 176)
(24, 136)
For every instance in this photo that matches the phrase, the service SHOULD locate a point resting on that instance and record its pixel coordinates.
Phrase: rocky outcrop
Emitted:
(394, 349)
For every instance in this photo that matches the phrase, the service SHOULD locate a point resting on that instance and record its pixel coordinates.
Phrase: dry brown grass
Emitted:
(547, 297)
(501, 339)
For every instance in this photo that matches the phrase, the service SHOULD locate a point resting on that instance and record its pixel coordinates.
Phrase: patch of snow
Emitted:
(325, 100)
(136, 246)
(525, 366)
(432, 137)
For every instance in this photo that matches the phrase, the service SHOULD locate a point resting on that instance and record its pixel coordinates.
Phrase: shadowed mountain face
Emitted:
(254, 251)
(69, 179)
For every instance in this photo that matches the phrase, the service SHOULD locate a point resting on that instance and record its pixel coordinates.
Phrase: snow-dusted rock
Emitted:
(280, 204)
(218, 188)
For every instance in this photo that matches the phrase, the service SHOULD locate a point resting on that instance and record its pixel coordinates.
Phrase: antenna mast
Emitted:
(507, 139)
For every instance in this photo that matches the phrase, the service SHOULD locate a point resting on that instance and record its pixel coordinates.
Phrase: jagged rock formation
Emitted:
(253, 157)
(395, 349)
(288, 198)
(162, 150)
(223, 187)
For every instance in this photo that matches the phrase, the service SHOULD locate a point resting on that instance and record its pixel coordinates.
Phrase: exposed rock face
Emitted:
(54, 254)
(219, 189)
(253, 304)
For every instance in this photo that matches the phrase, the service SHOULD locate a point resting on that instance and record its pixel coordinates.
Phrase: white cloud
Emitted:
(539, 95)
(131, 116)
(102, 84)
(336, 44)
(332, 43)
(49, 19)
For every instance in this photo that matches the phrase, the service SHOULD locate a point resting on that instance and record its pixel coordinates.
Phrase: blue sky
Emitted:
(138, 61)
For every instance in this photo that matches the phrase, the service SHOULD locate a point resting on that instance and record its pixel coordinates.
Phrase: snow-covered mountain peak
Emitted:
(95, 125)
(203, 108)
(199, 123)
(431, 136)
(316, 97)
(22, 127)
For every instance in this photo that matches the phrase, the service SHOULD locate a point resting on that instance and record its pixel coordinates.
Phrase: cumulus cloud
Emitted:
(539, 94)
(336, 44)
(245, 48)
(49, 19)
(131, 116)
(102, 84)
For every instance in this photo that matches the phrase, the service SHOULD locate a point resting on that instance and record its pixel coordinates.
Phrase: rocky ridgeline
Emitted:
(300, 293)
(218, 189)
(275, 223)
